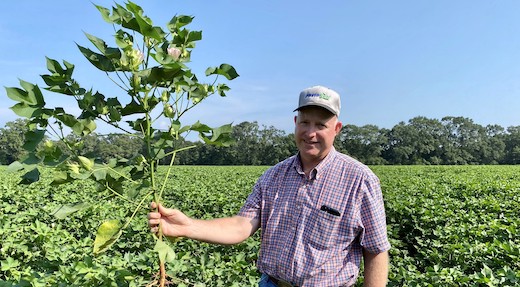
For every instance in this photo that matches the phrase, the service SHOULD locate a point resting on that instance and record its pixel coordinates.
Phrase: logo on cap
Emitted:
(320, 95)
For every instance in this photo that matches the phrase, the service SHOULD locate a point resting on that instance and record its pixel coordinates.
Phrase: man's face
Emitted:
(315, 130)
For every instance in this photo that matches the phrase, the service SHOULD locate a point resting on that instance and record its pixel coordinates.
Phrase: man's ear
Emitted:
(295, 119)
(338, 127)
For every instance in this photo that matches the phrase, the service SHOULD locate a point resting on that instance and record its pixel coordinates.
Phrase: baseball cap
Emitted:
(322, 97)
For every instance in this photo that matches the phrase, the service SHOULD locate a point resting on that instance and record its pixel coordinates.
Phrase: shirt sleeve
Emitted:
(374, 236)
(252, 206)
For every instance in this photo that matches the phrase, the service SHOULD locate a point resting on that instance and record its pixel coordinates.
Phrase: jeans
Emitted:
(265, 282)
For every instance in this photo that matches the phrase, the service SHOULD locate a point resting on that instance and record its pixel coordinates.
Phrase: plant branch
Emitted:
(118, 194)
(122, 175)
(137, 209)
(173, 153)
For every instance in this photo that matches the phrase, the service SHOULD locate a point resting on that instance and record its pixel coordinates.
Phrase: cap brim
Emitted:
(316, 105)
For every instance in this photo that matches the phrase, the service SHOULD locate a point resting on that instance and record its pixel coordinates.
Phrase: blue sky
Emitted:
(389, 60)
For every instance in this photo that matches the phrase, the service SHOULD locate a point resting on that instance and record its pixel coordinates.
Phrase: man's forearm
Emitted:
(228, 230)
(375, 269)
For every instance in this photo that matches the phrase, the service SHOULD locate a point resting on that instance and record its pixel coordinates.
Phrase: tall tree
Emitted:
(274, 146)
(417, 142)
(12, 141)
(245, 150)
(512, 145)
(465, 140)
(366, 143)
(494, 149)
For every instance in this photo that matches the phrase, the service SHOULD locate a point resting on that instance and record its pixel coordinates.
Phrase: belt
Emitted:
(280, 282)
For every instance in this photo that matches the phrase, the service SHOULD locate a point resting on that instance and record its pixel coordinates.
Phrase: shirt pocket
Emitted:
(324, 229)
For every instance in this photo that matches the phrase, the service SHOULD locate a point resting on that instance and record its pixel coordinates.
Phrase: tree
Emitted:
(274, 146)
(365, 143)
(494, 149)
(12, 141)
(512, 145)
(417, 142)
(465, 141)
(246, 149)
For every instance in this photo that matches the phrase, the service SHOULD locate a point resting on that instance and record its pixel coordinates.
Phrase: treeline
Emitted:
(449, 141)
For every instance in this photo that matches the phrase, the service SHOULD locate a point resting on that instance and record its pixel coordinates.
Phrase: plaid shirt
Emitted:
(314, 228)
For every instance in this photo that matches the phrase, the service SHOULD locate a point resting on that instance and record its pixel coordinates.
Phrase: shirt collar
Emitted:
(320, 168)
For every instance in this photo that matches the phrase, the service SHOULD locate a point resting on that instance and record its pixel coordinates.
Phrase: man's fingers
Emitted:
(154, 215)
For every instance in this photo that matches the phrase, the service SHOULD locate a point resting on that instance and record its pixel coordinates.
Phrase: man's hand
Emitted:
(173, 222)
(227, 230)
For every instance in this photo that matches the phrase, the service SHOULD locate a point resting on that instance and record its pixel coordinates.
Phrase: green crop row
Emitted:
(449, 226)
(453, 226)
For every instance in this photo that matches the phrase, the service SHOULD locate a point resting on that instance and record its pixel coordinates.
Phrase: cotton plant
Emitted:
(150, 66)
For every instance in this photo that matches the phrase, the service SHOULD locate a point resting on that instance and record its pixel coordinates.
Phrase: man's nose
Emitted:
(311, 131)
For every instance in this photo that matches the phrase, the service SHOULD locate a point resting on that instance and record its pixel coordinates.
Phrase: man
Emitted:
(319, 211)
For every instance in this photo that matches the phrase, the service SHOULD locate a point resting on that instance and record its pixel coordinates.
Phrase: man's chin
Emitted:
(310, 154)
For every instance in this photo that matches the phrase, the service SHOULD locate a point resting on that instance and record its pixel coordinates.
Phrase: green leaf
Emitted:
(166, 253)
(132, 108)
(25, 110)
(53, 66)
(107, 235)
(65, 210)
(225, 70)
(105, 13)
(30, 160)
(31, 176)
(114, 108)
(31, 95)
(200, 127)
(32, 139)
(61, 178)
(220, 136)
(34, 93)
(111, 53)
(99, 61)
(100, 174)
(178, 22)
(126, 19)
(222, 89)
(88, 125)
(9, 264)
(17, 94)
(145, 23)
(123, 39)
(79, 127)
(14, 167)
(194, 36)
(160, 76)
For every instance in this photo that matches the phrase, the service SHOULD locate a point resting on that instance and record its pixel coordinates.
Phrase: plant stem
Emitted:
(162, 280)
